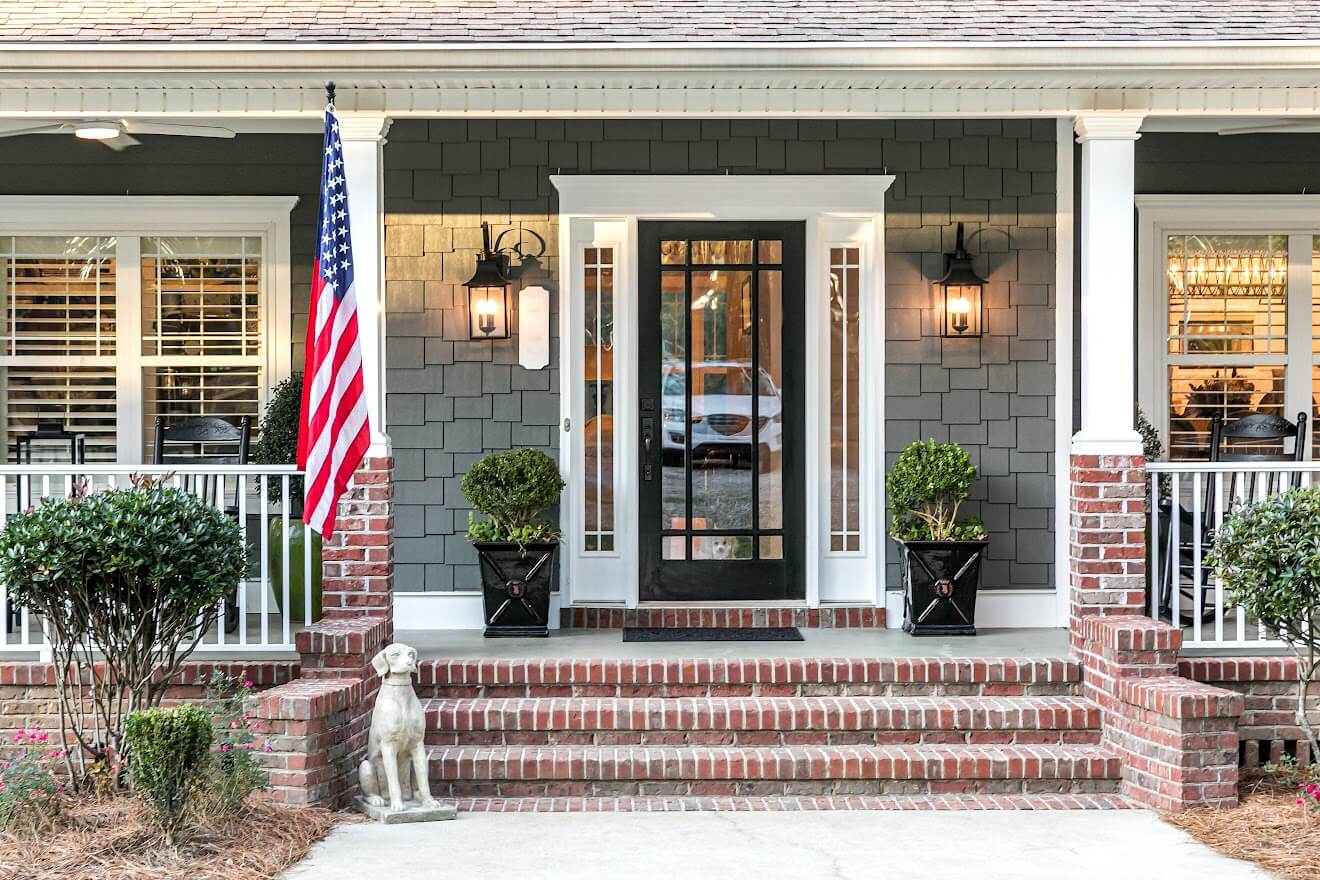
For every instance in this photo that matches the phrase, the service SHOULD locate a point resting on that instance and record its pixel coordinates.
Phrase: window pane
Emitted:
(598, 352)
(1198, 393)
(845, 379)
(58, 295)
(185, 392)
(81, 399)
(715, 252)
(201, 296)
(1228, 294)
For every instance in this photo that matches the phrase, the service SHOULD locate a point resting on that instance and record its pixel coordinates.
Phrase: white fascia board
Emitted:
(748, 197)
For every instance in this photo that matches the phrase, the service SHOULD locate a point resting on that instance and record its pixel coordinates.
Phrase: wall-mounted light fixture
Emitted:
(489, 287)
(961, 289)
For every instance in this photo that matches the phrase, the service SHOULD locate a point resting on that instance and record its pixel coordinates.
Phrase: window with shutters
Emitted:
(182, 311)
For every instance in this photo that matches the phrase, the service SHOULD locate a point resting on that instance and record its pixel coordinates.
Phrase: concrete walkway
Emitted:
(1131, 845)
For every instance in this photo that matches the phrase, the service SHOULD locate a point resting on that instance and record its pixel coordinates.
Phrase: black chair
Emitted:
(1253, 438)
(206, 441)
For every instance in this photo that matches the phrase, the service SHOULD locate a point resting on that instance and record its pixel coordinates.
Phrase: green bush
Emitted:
(512, 489)
(170, 751)
(277, 437)
(127, 583)
(927, 485)
(1268, 555)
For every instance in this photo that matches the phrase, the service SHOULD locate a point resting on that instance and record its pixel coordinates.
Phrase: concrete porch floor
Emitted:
(609, 645)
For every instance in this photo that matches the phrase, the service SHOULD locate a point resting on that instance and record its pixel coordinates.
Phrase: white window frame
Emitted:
(129, 219)
(604, 210)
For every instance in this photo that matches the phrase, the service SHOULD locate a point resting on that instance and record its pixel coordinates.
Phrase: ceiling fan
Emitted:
(1288, 126)
(117, 134)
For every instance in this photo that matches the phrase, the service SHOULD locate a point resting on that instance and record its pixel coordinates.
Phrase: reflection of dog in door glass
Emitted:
(714, 547)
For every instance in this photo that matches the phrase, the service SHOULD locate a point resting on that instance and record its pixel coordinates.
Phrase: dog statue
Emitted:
(395, 767)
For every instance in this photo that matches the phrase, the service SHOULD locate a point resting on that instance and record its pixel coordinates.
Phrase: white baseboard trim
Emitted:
(458, 610)
(995, 609)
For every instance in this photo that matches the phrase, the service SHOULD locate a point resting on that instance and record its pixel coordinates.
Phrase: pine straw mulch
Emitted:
(1268, 827)
(107, 839)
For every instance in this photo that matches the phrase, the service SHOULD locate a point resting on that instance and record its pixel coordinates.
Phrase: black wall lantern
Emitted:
(961, 287)
(488, 288)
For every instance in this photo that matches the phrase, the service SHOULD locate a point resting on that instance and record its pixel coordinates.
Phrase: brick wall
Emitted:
(1268, 729)
(452, 400)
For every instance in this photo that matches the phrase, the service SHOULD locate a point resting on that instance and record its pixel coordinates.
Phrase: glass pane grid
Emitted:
(81, 399)
(201, 296)
(845, 402)
(721, 317)
(1198, 393)
(180, 393)
(1227, 294)
(598, 445)
(59, 295)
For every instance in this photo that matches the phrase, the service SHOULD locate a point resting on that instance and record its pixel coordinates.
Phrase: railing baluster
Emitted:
(1197, 599)
(1153, 551)
(240, 487)
(1175, 552)
(264, 544)
(284, 549)
(307, 574)
(1219, 582)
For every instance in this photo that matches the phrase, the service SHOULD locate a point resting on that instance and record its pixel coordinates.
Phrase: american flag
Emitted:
(332, 435)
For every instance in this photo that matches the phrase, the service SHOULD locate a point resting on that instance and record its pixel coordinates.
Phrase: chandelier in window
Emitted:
(1228, 273)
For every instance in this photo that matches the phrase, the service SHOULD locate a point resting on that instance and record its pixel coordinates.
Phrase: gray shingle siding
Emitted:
(995, 396)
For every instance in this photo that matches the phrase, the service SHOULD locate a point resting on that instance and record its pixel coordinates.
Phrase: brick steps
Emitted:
(766, 677)
(1032, 802)
(501, 771)
(751, 721)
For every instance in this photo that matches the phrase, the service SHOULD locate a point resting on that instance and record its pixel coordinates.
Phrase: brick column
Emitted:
(1177, 739)
(1107, 538)
(358, 573)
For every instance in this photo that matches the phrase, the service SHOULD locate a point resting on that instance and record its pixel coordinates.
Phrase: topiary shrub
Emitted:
(127, 583)
(171, 751)
(277, 437)
(926, 486)
(512, 489)
(1268, 555)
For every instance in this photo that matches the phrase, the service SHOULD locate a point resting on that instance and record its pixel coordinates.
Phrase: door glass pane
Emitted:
(845, 382)
(673, 252)
(722, 386)
(769, 400)
(1228, 294)
(715, 252)
(674, 421)
(598, 364)
(58, 295)
(770, 250)
(722, 547)
(772, 547)
(1198, 393)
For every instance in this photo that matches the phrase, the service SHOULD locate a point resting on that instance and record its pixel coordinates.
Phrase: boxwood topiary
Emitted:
(513, 489)
(171, 753)
(127, 582)
(926, 486)
(1268, 555)
(277, 439)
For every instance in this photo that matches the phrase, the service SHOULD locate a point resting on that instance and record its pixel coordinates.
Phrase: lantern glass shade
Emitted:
(962, 310)
(488, 312)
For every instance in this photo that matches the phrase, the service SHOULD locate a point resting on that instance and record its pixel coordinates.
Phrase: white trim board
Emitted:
(457, 610)
(604, 211)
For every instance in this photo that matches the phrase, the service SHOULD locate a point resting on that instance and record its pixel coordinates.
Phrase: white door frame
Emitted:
(604, 210)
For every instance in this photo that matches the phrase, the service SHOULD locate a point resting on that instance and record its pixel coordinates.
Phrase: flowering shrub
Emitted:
(235, 773)
(1309, 795)
(29, 789)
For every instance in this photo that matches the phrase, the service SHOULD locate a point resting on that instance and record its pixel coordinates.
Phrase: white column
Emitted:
(1108, 307)
(363, 135)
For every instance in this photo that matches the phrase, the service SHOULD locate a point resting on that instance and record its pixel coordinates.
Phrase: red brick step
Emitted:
(762, 721)
(1033, 802)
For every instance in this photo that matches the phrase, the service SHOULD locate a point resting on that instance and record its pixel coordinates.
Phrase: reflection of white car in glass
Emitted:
(721, 423)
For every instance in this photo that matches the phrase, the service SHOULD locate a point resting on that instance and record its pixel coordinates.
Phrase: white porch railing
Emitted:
(265, 622)
(1191, 500)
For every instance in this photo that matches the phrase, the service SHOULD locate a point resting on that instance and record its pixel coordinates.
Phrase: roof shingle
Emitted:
(624, 21)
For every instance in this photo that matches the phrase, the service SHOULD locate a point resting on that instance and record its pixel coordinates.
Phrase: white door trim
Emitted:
(606, 209)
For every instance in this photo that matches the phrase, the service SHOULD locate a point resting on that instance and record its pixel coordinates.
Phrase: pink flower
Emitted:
(224, 747)
(248, 683)
(267, 748)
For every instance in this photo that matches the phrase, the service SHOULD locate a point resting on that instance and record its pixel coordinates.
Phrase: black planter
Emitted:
(515, 588)
(940, 580)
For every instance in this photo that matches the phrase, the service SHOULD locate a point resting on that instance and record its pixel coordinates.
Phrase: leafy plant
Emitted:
(170, 749)
(277, 437)
(29, 789)
(512, 488)
(927, 485)
(1268, 555)
(1152, 447)
(126, 582)
(234, 772)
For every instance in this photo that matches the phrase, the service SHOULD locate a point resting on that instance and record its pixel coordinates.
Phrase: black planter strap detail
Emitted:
(516, 588)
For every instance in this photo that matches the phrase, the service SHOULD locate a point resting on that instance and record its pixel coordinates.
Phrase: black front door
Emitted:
(720, 390)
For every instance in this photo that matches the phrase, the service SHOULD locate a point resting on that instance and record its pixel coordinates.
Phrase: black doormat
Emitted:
(712, 634)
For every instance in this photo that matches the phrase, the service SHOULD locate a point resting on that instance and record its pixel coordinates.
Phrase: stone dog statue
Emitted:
(396, 764)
